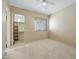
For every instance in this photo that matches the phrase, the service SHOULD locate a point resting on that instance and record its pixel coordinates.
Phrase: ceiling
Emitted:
(35, 5)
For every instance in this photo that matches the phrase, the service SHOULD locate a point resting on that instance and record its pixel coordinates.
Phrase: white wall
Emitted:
(62, 25)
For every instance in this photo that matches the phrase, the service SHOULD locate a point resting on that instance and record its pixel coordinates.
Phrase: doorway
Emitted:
(18, 29)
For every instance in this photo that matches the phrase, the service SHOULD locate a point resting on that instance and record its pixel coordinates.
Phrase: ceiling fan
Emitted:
(45, 2)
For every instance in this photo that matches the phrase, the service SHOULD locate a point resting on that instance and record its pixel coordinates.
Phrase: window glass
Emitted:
(40, 25)
(19, 18)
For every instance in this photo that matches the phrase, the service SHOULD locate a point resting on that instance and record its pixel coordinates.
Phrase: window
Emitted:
(19, 18)
(40, 24)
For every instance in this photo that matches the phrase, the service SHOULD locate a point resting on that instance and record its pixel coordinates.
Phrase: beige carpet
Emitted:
(42, 49)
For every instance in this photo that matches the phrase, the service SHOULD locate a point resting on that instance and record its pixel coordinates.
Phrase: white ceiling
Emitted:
(35, 5)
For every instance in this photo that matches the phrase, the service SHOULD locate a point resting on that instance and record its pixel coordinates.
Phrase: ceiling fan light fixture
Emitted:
(44, 3)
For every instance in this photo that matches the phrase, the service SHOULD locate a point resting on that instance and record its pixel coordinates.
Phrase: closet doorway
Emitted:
(18, 29)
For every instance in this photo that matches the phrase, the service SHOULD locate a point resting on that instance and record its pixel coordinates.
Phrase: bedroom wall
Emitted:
(62, 25)
(29, 32)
